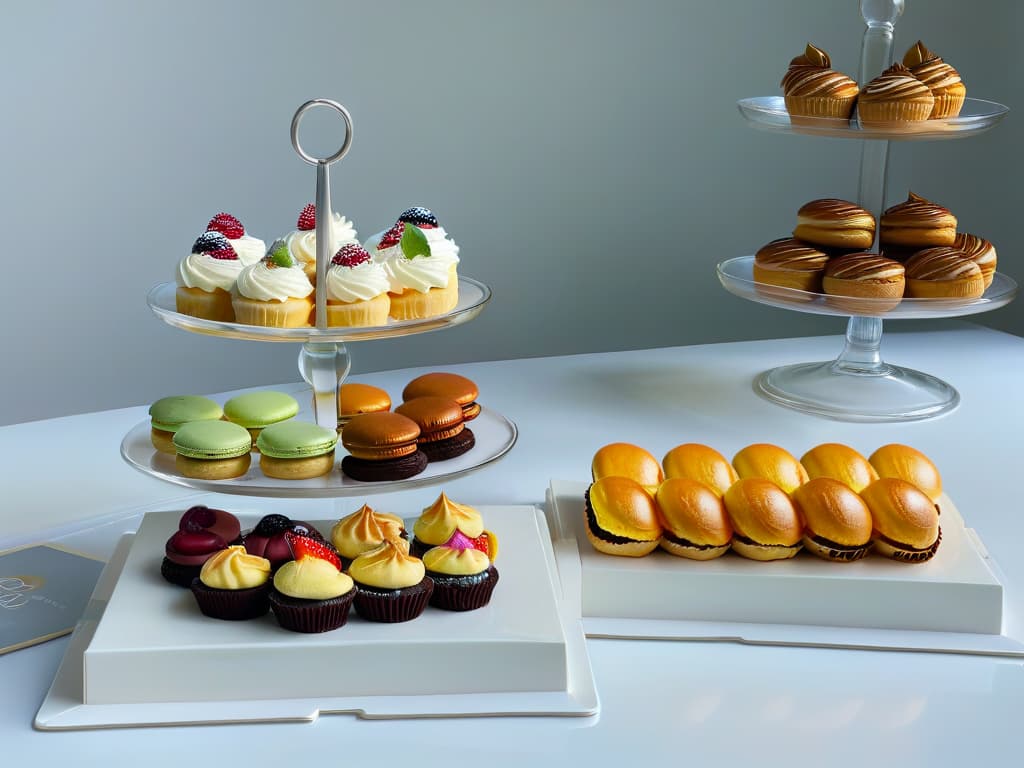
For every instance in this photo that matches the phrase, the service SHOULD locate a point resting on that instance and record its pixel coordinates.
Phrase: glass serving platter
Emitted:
(769, 113)
(473, 296)
(495, 436)
(737, 276)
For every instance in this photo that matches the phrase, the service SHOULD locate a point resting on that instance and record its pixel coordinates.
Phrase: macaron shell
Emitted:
(212, 440)
(355, 398)
(438, 418)
(169, 413)
(460, 389)
(383, 435)
(258, 409)
(296, 440)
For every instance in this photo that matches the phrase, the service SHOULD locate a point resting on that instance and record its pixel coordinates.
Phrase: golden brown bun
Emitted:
(840, 462)
(830, 509)
(355, 398)
(382, 435)
(627, 460)
(835, 223)
(694, 519)
(916, 222)
(624, 510)
(980, 251)
(864, 276)
(790, 263)
(770, 462)
(438, 418)
(702, 463)
(906, 463)
(761, 511)
(943, 272)
(906, 521)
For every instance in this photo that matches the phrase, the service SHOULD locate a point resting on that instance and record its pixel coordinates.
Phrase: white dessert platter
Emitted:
(976, 116)
(495, 435)
(737, 277)
(953, 603)
(144, 655)
(858, 385)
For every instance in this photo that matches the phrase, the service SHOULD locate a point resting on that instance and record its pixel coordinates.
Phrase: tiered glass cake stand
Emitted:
(859, 385)
(324, 363)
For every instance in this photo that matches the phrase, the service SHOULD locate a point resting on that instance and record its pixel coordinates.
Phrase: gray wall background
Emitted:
(587, 156)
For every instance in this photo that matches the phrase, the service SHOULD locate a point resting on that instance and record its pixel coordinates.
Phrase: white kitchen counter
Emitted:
(698, 703)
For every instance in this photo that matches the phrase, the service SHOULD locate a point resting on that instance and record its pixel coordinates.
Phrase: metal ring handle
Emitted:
(298, 119)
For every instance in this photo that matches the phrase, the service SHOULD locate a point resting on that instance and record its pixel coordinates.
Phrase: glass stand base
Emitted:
(837, 391)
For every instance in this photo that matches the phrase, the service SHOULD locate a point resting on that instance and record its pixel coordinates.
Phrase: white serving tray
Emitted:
(952, 603)
(144, 655)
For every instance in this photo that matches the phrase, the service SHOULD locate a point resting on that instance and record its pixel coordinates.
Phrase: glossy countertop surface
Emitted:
(703, 703)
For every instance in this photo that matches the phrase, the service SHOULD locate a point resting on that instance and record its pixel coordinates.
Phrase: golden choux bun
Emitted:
(906, 521)
(840, 462)
(906, 463)
(627, 460)
(771, 463)
(837, 522)
(621, 517)
(694, 520)
(699, 462)
(765, 523)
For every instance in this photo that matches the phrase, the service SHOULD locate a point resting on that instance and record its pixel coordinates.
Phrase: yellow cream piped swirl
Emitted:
(364, 530)
(441, 519)
(387, 567)
(311, 578)
(234, 568)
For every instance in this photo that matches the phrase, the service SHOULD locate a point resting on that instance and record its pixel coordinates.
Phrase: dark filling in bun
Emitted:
(597, 530)
(838, 551)
(908, 554)
(680, 541)
(751, 542)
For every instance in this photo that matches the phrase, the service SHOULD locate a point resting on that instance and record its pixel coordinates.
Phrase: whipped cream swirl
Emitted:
(200, 270)
(269, 282)
(359, 283)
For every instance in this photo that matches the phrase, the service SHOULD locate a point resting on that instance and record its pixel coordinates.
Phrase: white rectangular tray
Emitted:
(952, 603)
(144, 655)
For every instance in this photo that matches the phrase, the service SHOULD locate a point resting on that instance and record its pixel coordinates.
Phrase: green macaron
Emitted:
(296, 440)
(255, 410)
(169, 413)
(212, 440)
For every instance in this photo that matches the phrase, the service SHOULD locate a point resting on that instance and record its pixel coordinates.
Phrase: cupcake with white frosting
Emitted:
(302, 240)
(274, 292)
(206, 278)
(249, 249)
(357, 289)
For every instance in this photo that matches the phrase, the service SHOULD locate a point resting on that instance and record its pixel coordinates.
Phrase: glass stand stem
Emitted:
(861, 355)
(324, 365)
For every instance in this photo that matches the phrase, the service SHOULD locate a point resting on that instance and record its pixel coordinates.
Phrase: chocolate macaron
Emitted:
(382, 446)
(443, 432)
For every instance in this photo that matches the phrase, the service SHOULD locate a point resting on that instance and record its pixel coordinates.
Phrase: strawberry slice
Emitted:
(307, 219)
(392, 237)
(306, 546)
(486, 542)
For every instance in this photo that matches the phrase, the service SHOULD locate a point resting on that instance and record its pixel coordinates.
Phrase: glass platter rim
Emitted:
(138, 457)
(476, 295)
(1002, 291)
(769, 113)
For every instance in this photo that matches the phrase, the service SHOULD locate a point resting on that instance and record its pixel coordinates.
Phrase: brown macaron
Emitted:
(872, 282)
(627, 460)
(382, 446)
(837, 522)
(355, 398)
(764, 460)
(943, 273)
(443, 432)
(918, 223)
(441, 384)
(906, 463)
(764, 520)
(839, 462)
(906, 522)
(693, 518)
(980, 251)
(695, 461)
(790, 263)
(835, 223)
(621, 517)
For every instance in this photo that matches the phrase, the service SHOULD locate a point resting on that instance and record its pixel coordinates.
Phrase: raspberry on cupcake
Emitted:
(301, 241)
(206, 278)
(357, 289)
(249, 249)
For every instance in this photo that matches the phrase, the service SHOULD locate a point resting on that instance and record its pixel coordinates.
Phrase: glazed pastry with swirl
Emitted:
(916, 223)
(834, 223)
(812, 89)
(980, 251)
(864, 276)
(894, 97)
(943, 272)
(942, 80)
(790, 263)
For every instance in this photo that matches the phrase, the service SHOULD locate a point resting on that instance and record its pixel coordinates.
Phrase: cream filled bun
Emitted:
(906, 463)
(840, 462)
(694, 520)
(627, 460)
(906, 522)
(771, 463)
(621, 517)
(699, 462)
(765, 523)
(837, 523)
